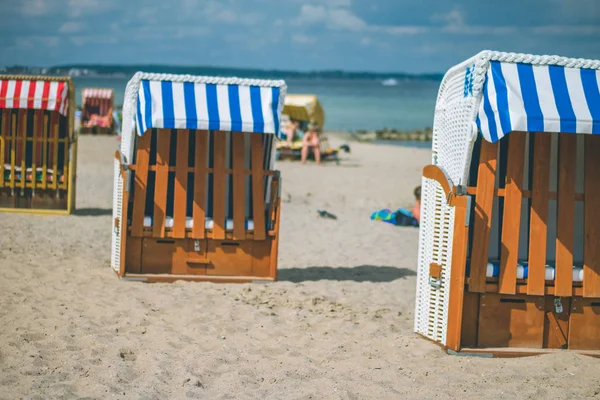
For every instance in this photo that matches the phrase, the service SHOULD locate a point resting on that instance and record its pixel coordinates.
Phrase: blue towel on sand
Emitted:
(400, 217)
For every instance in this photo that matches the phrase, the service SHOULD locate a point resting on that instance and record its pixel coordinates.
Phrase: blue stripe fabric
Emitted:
(148, 106)
(191, 105)
(274, 108)
(234, 108)
(589, 79)
(543, 98)
(489, 113)
(501, 96)
(467, 80)
(167, 104)
(568, 121)
(535, 117)
(213, 107)
(191, 115)
(256, 104)
(140, 122)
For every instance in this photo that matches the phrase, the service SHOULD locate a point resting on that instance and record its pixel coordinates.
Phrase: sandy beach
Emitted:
(337, 325)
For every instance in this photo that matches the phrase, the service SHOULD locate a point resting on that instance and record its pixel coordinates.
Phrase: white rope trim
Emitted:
(482, 62)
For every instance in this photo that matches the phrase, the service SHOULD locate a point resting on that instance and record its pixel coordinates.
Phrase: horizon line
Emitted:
(247, 69)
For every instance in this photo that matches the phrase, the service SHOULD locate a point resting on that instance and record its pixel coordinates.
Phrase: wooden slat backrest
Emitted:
(22, 146)
(65, 162)
(13, 148)
(141, 183)
(219, 144)
(181, 177)
(538, 229)
(45, 145)
(5, 133)
(161, 182)
(174, 196)
(200, 175)
(591, 249)
(483, 215)
(565, 216)
(512, 213)
(239, 209)
(54, 148)
(36, 148)
(258, 186)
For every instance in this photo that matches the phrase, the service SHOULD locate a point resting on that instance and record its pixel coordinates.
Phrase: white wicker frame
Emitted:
(454, 133)
(128, 135)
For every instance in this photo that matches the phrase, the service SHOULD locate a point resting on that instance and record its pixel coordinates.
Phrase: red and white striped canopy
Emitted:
(96, 94)
(34, 94)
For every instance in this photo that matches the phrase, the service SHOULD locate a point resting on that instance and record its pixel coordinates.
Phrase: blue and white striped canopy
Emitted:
(224, 107)
(536, 98)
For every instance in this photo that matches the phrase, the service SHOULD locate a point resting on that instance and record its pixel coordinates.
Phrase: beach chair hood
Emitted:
(200, 102)
(494, 93)
(304, 107)
(30, 93)
(514, 94)
(91, 93)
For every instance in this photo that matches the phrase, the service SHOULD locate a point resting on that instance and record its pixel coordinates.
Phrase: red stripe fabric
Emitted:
(17, 94)
(25, 94)
(59, 96)
(31, 94)
(3, 90)
(45, 95)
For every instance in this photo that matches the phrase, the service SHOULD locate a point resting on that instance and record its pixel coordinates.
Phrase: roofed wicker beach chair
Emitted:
(97, 111)
(509, 254)
(38, 145)
(196, 196)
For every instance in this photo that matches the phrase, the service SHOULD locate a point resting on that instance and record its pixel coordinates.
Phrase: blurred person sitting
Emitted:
(310, 141)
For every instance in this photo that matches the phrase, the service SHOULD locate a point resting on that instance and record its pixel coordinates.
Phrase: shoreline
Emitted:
(383, 136)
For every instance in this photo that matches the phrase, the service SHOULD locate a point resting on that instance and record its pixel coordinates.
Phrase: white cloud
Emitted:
(27, 42)
(81, 40)
(194, 31)
(219, 12)
(34, 8)
(303, 39)
(310, 14)
(345, 19)
(402, 29)
(332, 17)
(77, 8)
(454, 20)
(571, 29)
(71, 27)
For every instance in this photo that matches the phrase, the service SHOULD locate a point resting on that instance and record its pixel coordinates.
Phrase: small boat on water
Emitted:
(390, 82)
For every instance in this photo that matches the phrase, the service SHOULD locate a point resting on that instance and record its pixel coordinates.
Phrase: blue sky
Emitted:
(359, 35)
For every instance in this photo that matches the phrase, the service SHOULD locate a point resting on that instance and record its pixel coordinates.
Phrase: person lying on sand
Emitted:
(402, 217)
(310, 140)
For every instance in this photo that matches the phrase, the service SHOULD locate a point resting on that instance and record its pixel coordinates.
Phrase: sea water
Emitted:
(349, 104)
